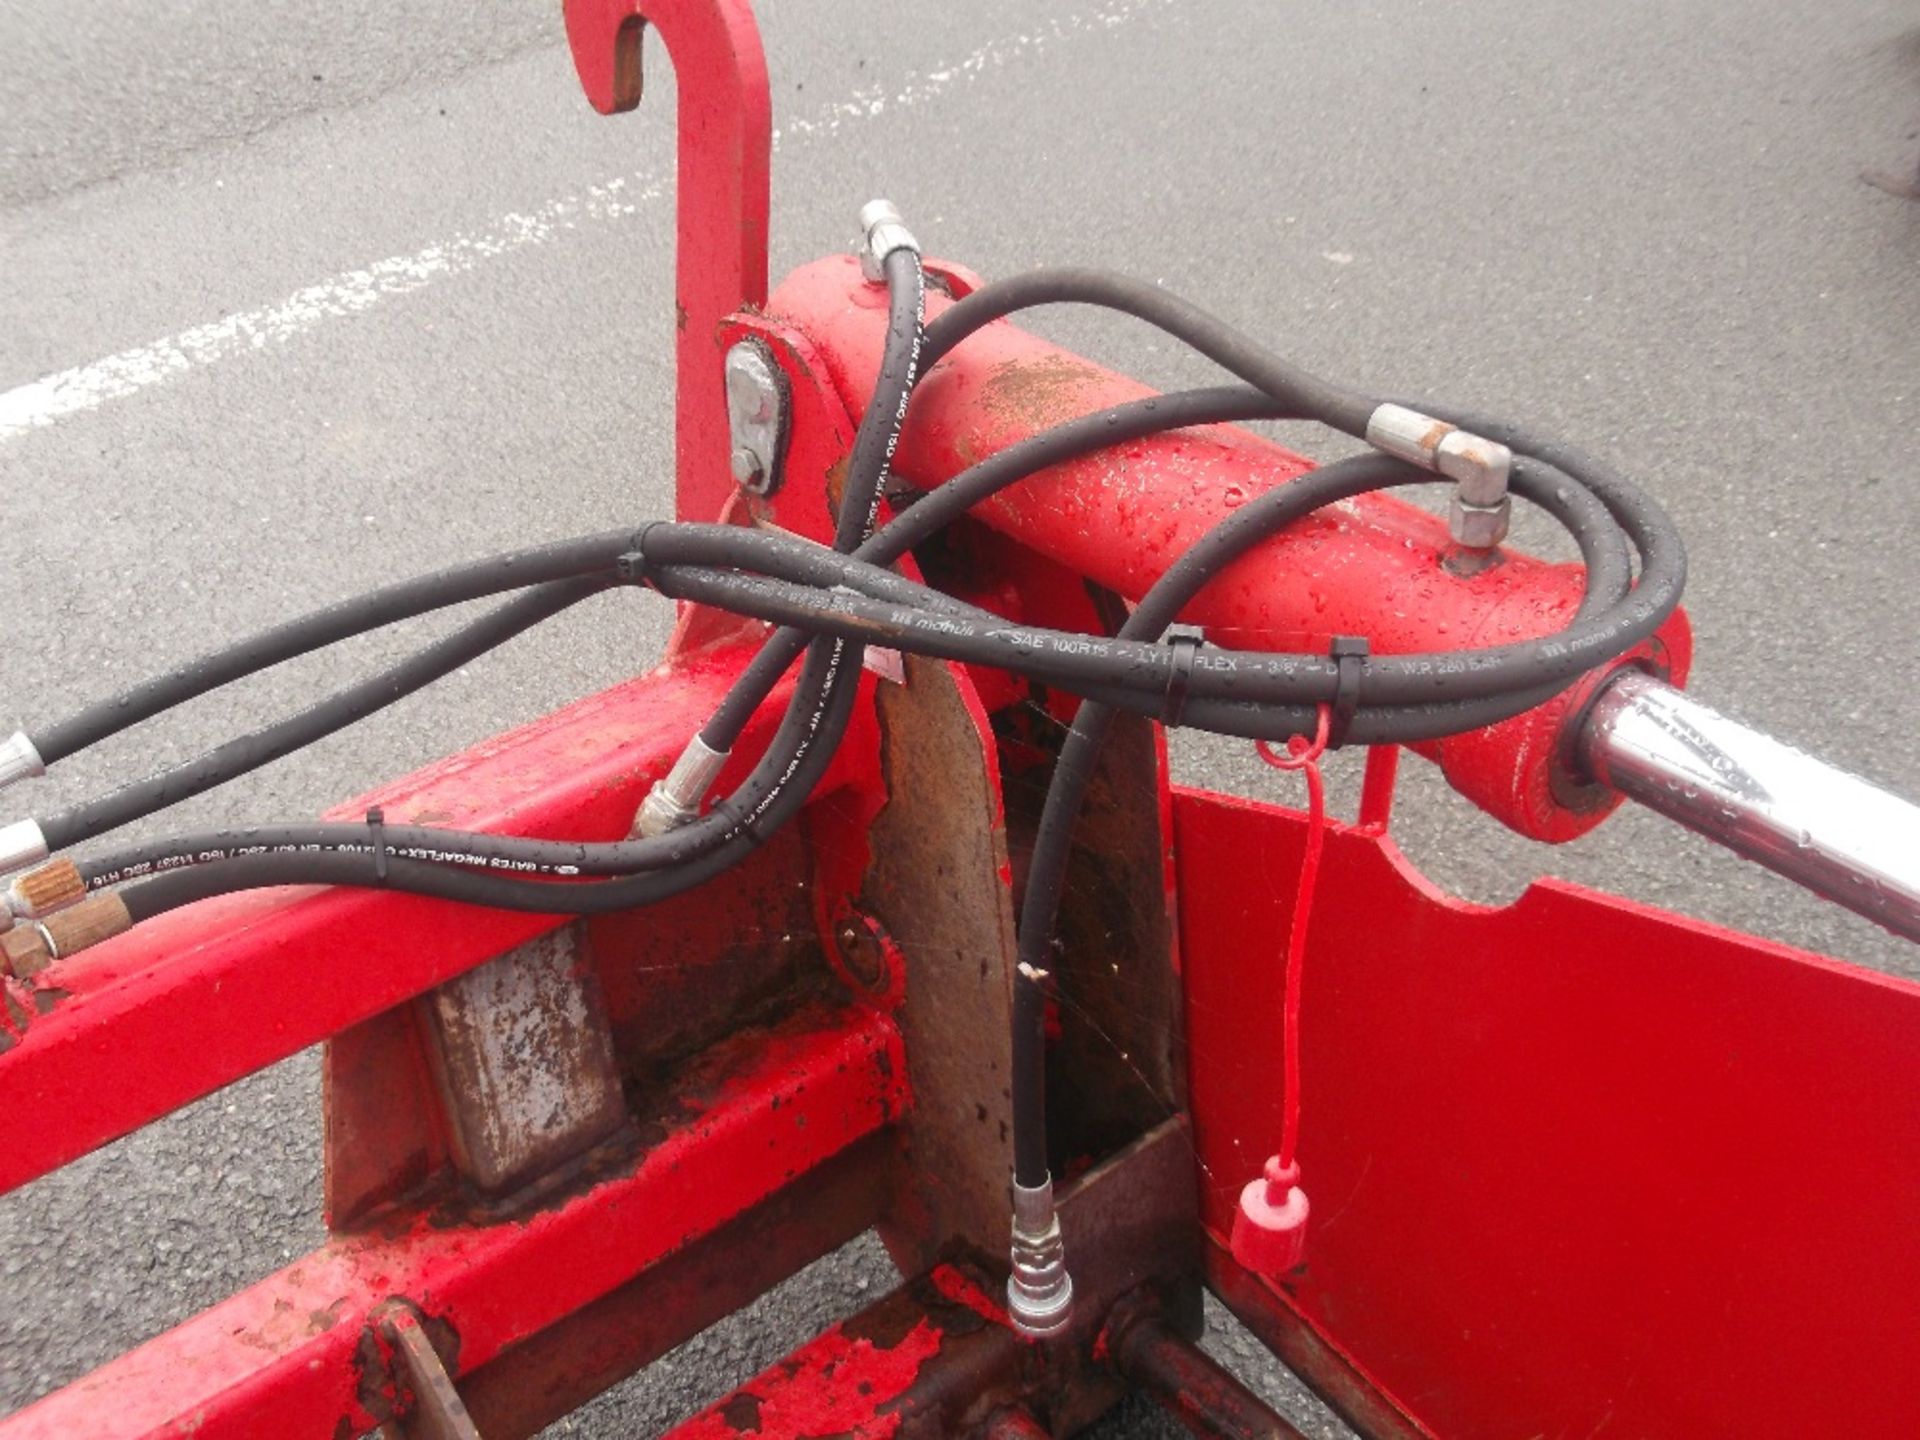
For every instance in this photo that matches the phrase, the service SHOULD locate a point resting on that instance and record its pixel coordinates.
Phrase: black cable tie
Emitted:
(1185, 648)
(631, 568)
(377, 829)
(1349, 653)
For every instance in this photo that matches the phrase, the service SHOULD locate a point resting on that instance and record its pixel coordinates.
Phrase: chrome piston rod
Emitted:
(1833, 832)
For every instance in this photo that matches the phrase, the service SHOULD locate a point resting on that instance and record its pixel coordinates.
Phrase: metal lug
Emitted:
(756, 417)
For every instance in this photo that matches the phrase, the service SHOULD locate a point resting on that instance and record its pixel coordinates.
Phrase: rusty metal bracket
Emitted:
(1205, 1397)
(937, 1357)
(524, 1059)
(940, 880)
(426, 1404)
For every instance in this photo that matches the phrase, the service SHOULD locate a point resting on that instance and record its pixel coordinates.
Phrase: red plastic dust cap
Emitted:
(1270, 1229)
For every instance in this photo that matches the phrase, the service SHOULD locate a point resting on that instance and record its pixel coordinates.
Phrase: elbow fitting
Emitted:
(882, 231)
(21, 844)
(1039, 1291)
(675, 799)
(19, 759)
(1480, 468)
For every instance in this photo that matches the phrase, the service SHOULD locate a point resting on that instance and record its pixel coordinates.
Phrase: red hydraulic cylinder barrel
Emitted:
(1371, 567)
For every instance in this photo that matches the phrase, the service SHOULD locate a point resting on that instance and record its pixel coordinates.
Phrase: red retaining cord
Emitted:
(1269, 1231)
(1302, 755)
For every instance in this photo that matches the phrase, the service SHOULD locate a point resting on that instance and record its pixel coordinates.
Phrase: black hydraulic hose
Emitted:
(1142, 689)
(945, 503)
(1333, 405)
(1663, 557)
(828, 664)
(1291, 393)
(1158, 609)
(358, 864)
(518, 854)
(998, 472)
(909, 616)
(249, 752)
(1245, 701)
(564, 560)
(779, 784)
(371, 870)
(1503, 681)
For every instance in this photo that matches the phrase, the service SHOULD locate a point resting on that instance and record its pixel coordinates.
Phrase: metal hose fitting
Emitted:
(21, 844)
(1480, 468)
(1039, 1291)
(29, 948)
(45, 891)
(675, 799)
(882, 231)
(19, 759)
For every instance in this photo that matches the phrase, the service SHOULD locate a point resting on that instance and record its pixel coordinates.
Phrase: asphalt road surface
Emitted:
(300, 298)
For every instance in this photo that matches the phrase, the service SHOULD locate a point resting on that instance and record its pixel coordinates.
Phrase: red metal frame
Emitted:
(1576, 1162)
(1579, 1166)
(285, 1356)
(129, 1031)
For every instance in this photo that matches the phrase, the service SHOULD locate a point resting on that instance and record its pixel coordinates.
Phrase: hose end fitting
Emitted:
(1480, 468)
(19, 759)
(882, 231)
(45, 891)
(1039, 1291)
(675, 798)
(21, 844)
(28, 949)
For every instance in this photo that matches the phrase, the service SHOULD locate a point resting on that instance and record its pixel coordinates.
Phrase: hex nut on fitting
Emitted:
(26, 950)
(659, 813)
(1479, 527)
(882, 231)
(675, 798)
(19, 759)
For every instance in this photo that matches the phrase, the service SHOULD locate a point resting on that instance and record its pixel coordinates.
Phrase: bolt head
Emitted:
(747, 469)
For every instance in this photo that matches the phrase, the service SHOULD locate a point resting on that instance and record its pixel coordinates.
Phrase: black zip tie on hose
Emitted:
(377, 832)
(1349, 654)
(1185, 652)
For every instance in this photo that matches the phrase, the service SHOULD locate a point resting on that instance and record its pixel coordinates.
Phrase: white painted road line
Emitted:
(40, 403)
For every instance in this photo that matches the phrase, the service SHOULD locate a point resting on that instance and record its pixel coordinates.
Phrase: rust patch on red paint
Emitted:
(962, 1289)
(378, 1392)
(288, 1327)
(1023, 397)
(840, 1385)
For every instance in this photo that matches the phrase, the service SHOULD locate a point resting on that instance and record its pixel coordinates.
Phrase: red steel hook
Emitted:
(726, 143)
